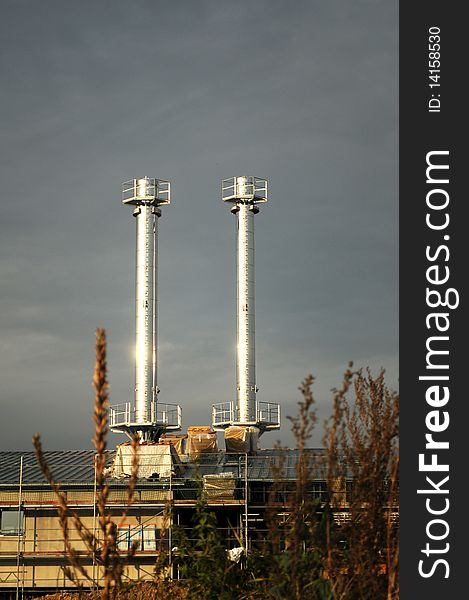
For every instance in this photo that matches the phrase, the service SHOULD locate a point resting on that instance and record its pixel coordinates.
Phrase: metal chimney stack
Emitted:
(146, 418)
(245, 193)
(245, 319)
(146, 213)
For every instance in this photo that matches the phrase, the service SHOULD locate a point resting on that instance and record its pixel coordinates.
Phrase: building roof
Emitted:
(67, 466)
(76, 466)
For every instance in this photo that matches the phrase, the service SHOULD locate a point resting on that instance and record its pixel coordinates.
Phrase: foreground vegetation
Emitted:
(310, 557)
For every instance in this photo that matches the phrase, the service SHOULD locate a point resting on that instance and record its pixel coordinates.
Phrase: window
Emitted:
(123, 537)
(149, 537)
(11, 522)
(146, 537)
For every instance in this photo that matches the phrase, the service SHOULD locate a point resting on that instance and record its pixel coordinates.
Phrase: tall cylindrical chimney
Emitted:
(245, 323)
(145, 309)
(245, 193)
(146, 194)
(145, 417)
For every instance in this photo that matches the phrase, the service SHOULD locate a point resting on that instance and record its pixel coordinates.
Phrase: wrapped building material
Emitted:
(235, 554)
(339, 492)
(153, 460)
(219, 487)
(241, 440)
(177, 440)
(201, 440)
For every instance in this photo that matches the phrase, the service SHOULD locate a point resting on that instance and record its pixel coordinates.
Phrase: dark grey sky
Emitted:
(302, 93)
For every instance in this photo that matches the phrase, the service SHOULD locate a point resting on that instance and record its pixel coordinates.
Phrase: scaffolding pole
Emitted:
(170, 530)
(246, 528)
(20, 524)
(95, 585)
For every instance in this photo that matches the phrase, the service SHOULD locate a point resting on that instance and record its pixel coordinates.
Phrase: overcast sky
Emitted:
(303, 93)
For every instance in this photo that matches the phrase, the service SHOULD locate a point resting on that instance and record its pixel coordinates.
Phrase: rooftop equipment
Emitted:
(245, 193)
(146, 416)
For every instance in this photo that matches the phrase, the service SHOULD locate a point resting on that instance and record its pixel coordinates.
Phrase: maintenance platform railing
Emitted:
(147, 189)
(228, 413)
(167, 415)
(235, 189)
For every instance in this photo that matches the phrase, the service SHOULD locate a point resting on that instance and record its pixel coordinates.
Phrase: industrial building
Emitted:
(236, 487)
(175, 469)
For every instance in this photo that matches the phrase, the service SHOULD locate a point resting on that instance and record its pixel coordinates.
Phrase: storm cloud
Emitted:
(304, 94)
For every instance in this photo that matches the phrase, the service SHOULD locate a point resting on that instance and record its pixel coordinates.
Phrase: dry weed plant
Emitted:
(303, 532)
(309, 557)
(362, 448)
(314, 557)
(101, 545)
(292, 566)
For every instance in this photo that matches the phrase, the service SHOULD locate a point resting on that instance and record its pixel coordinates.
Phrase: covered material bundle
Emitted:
(339, 492)
(235, 554)
(153, 460)
(219, 487)
(241, 440)
(177, 440)
(201, 439)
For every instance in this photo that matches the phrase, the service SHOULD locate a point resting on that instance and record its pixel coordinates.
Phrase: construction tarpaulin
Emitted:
(219, 487)
(240, 440)
(200, 440)
(177, 440)
(153, 460)
(235, 554)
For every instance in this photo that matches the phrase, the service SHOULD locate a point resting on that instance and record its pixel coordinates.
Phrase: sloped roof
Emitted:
(67, 466)
(76, 466)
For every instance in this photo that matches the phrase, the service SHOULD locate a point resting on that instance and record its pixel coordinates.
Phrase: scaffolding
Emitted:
(240, 489)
